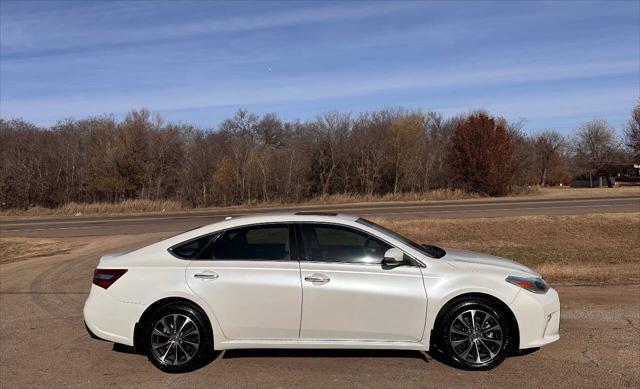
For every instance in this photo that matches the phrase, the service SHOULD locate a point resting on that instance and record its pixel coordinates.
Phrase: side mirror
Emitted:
(394, 257)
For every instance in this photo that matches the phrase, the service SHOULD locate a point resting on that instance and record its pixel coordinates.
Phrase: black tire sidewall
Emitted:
(206, 339)
(452, 312)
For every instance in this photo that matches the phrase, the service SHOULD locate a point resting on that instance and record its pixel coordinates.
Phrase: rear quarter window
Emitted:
(191, 248)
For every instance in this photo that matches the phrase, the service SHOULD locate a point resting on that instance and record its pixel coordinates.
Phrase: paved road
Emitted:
(174, 222)
(43, 343)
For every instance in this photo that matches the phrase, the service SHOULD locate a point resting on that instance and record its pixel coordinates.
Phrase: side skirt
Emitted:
(319, 344)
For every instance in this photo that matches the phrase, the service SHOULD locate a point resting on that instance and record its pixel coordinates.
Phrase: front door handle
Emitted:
(317, 278)
(206, 276)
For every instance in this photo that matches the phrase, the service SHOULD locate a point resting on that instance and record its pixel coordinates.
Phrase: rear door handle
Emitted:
(317, 278)
(206, 276)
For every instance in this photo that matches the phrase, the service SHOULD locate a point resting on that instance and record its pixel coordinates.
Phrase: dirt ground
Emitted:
(43, 342)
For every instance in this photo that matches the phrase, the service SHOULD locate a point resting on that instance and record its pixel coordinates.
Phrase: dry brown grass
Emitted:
(127, 206)
(590, 273)
(14, 249)
(434, 195)
(519, 193)
(593, 248)
(566, 192)
(142, 206)
(139, 206)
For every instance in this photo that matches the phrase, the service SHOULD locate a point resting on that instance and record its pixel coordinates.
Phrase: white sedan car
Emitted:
(316, 280)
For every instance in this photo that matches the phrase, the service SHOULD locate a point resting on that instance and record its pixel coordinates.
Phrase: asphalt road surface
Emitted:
(43, 343)
(70, 226)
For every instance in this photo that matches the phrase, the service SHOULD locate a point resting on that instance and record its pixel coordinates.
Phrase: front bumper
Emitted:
(111, 319)
(538, 317)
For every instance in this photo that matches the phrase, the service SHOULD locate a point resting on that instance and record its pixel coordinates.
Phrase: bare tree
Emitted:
(632, 134)
(437, 132)
(331, 132)
(242, 129)
(524, 163)
(595, 147)
(406, 147)
(203, 152)
(367, 150)
(548, 147)
(224, 180)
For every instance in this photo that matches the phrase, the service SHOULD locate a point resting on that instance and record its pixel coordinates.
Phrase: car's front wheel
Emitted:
(474, 334)
(177, 338)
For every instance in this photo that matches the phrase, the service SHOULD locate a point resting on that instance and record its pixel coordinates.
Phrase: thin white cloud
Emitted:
(290, 89)
(61, 31)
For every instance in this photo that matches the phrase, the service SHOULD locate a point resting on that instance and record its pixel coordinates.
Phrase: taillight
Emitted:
(105, 277)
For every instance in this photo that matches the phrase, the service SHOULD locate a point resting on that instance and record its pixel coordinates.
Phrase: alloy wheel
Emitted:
(476, 336)
(175, 339)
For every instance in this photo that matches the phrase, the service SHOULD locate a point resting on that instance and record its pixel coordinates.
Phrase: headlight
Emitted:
(532, 284)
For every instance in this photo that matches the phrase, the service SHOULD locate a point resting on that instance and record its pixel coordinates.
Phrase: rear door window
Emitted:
(263, 242)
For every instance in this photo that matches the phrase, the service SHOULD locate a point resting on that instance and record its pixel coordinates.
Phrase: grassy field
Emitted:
(583, 249)
(598, 248)
(14, 249)
(567, 192)
(161, 206)
(123, 207)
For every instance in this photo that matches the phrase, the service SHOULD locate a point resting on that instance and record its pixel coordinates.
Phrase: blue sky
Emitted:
(553, 64)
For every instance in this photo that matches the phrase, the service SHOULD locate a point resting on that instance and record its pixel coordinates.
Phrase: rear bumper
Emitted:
(110, 319)
(538, 317)
(91, 334)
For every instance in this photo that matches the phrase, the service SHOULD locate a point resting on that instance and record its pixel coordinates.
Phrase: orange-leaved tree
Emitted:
(482, 154)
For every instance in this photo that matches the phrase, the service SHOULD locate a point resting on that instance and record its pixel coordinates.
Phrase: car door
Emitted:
(251, 281)
(348, 295)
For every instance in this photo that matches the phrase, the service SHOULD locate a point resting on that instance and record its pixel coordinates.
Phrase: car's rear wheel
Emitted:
(177, 338)
(474, 334)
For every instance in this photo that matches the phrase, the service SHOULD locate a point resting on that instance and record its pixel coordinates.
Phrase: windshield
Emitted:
(428, 250)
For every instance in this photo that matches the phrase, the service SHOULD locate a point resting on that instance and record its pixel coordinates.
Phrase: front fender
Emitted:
(441, 290)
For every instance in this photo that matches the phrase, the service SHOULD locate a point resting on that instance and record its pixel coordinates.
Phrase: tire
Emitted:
(482, 346)
(177, 338)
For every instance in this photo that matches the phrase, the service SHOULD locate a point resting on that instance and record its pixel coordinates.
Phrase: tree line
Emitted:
(251, 158)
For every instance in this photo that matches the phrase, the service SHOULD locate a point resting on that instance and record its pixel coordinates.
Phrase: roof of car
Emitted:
(233, 221)
(293, 216)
